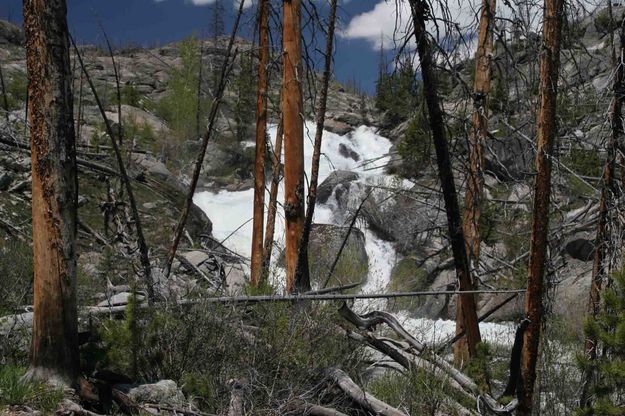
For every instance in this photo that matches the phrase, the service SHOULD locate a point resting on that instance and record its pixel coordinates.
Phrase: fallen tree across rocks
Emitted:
(411, 353)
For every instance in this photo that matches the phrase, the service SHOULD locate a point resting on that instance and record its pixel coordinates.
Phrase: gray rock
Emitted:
(236, 279)
(18, 322)
(511, 311)
(337, 127)
(334, 179)
(10, 34)
(348, 152)
(196, 258)
(508, 158)
(5, 181)
(580, 249)
(165, 392)
(152, 170)
(120, 299)
(325, 242)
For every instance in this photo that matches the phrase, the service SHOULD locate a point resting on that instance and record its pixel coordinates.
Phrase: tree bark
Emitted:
(478, 134)
(54, 349)
(420, 10)
(546, 135)
(302, 271)
(608, 192)
(292, 113)
(261, 137)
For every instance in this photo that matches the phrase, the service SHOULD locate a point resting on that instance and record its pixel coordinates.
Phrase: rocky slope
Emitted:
(405, 214)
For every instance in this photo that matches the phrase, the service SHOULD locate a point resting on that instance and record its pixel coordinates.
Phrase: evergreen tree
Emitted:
(397, 92)
(217, 20)
(245, 89)
(608, 328)
(179, 107)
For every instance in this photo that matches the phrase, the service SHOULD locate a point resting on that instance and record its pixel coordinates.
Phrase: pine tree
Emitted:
(608, 328)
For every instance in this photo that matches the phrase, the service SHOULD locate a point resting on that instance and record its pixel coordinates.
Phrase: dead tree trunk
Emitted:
(420, 14)
(4, 95)
(546, 134)
(292, 113)
(198, 102)
(602, 239)
(54, 350)
(478, 134)
(303, 272)
(261, 137)
(273, 200)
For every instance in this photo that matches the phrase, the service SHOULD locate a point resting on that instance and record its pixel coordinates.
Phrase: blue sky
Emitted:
(151, 22)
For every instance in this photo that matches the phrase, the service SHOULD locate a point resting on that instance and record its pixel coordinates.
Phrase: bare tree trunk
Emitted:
(4, 95)
(54, 351)
(546, 134)
(292, 113)
(302, 271)
(419, 9)
(273, 200)
(602, 239)
(478, 134)
(261, 137)
(212, 117)
(199, 94)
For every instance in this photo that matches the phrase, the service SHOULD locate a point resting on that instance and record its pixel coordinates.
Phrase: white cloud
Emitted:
(235, 3)
(389, 21)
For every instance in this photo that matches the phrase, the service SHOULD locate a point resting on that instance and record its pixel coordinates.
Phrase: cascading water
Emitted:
(363, 152)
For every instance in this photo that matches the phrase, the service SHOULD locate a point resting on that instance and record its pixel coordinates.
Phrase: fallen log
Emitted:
(361, 397)
(316, 410)
(411, 353)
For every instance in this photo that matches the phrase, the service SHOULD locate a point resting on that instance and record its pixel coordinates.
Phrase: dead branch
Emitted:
(143, 248)
(411, 353)
(358, 395)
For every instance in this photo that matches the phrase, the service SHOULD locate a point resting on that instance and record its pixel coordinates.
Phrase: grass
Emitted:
(15, 392)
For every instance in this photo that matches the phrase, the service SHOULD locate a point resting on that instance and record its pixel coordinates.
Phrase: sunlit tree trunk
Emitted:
(54, 350)
(602, 239)
(477, 135)
(546, 135)
(420, 14)
(261, 136)
(292, 113)
(272, 206)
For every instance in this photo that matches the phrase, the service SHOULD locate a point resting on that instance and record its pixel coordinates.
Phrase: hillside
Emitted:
(374, 163)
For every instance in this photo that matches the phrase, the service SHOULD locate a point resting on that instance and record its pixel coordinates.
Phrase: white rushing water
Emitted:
(231, 213)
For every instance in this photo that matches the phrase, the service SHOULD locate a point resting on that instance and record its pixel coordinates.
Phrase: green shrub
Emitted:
(204, 346)
(17, 90)
(14, 391)
(130, 95)
(16, 274)
(415, 148)
(604, 24)
(180, 106)
(407, 277)
(417, 391)
(608, 328)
